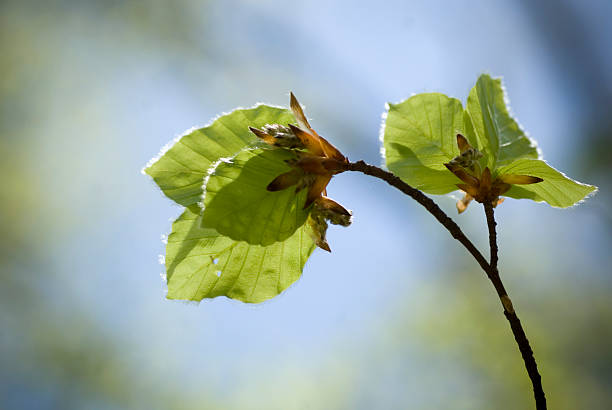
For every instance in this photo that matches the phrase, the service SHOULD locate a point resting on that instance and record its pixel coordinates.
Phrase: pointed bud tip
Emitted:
(324, 246)
(275, 185)
(462, 143)
(261, 135)
(293, 101)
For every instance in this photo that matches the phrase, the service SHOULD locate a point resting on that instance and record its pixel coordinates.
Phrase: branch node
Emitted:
(505, 299)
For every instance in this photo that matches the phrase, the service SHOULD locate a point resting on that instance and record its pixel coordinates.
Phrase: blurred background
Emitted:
(398, 316)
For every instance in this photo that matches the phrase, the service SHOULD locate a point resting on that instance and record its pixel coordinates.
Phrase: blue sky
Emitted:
(107, 87)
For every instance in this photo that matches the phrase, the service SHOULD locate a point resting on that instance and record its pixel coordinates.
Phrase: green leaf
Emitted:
(180, 169)
(419, 137)
(487, 122)
(556, 189)
(200, 263)
(237, 203)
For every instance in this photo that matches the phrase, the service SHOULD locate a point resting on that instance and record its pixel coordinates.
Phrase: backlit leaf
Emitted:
(557, 189)
(201, 263)
(181, 168)
(238, 205)
(419, 137)
(488, 123)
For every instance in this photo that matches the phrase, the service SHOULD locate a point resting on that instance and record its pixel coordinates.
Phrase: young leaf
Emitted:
(181, 168)
(200, 263)
(556, 189)
(419, 137)
(238, 205)
(488, 123)
(421, 133)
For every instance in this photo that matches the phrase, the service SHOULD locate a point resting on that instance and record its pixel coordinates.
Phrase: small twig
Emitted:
(509, 312)
(489, 268)
(425, 201)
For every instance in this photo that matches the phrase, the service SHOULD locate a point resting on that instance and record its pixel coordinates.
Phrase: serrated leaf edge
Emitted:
(171, 143)
(532, 142)
(211, 170)
(587, 196)
(381, 135)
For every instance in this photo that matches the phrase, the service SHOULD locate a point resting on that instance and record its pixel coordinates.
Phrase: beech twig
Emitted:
(489, 268)
(509, 312)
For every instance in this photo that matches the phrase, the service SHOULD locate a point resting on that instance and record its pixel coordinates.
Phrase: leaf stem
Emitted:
(489, 268)
(510, 313)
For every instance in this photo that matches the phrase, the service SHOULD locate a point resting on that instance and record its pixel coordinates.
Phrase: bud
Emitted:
(277, 130)
(463, 203)
(318, 230)
(326, 210)
(316, 161)
(468, 159)
(481, 185)
(333, 211)
(462, 143)
(278, 135)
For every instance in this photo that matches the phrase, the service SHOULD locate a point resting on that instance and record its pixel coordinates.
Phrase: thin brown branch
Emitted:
(510, 313)
(426, 202)
(489, 268)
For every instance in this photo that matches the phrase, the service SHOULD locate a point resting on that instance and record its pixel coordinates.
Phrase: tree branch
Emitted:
(509, 312)
(489, 268)
(425, 201)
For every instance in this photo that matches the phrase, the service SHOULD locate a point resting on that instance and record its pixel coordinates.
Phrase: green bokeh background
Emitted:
(398, 316)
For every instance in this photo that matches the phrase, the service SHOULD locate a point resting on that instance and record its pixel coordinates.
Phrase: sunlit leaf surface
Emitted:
(420, 135)
(180, 170)
(419, 138)
(238, 205)
(201, 263)
(557, 189)
(496, 133)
